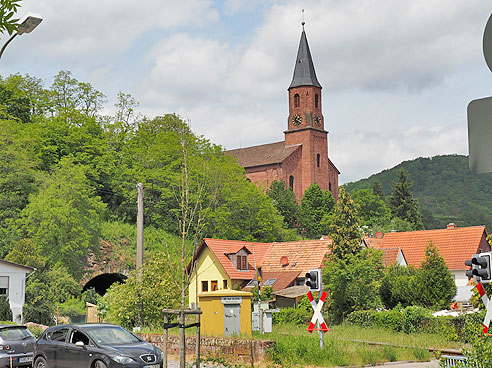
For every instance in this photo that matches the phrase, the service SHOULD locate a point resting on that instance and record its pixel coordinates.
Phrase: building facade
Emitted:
(302, 158)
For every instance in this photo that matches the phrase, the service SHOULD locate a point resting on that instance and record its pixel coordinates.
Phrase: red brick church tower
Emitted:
(302, 158)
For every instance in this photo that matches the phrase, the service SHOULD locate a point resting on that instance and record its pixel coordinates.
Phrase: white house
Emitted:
(13, 284)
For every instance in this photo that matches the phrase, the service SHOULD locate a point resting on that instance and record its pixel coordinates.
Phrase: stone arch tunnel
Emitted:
(102, 282)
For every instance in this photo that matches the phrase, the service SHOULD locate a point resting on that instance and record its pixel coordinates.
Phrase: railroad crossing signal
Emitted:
(480, 267)
(313, 280)
(486, 302)
(317, 316)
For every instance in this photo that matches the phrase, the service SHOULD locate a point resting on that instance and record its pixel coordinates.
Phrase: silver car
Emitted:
(16, 346)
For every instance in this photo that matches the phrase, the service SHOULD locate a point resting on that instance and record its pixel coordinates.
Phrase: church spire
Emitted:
(304, 73)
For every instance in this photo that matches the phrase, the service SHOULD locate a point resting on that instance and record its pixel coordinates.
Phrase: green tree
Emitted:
(402, 203)
(315, 206)
(398, 286)
(5, 311)
(7, 10)
(64, 218)
(435, 284)
(377, 190)
(155, 292)
(353, 283)
(371, 208)
(344, 228)
(285, 202)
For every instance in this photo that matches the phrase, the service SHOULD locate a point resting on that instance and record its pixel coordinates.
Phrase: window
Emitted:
(204, 286)
(225, 284)
(269, 282)
(329, 187)
(291, 182)
(79, 336)
(318, 157)
(4, 285)
(58, 335)
(297, 100)
(242, 262)
(213, 285)
(316, 100)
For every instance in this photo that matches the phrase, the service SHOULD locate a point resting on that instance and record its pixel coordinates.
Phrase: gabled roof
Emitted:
(304, 73)
(233, 249)
(27, 268)
(219, 246)
(455, 244)
(283, 278)
(390, 255)
(265, 154)
(302, 256)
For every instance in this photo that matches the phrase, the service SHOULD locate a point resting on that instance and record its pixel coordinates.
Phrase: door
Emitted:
(77, 356)
(232, 325)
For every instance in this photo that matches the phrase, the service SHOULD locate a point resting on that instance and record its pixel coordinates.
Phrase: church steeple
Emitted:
(304, 73)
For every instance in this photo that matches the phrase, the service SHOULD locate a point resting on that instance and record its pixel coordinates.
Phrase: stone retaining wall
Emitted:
(215, 346)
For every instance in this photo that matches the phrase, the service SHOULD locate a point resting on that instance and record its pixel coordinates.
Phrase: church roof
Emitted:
(265, 154)
(304, 73)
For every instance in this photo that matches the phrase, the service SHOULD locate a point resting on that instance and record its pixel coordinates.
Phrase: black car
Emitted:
(94, 346)
(16, 346)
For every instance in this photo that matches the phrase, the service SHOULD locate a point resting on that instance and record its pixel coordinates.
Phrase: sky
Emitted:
(397, 75)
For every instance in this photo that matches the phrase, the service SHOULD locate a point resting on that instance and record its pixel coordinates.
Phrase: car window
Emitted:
(79, 336)
(15, 333)
(111, 335)
(58, 335)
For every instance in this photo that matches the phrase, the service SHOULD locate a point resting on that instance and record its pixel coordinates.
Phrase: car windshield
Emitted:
(111, 335)
(15, 333)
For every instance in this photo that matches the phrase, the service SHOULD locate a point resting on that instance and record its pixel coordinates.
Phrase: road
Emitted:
(431, 364)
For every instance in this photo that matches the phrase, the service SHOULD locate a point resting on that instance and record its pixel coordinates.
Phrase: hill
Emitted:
(446, 189)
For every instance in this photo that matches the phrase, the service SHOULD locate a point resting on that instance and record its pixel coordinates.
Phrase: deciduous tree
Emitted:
(285, 202)
(315, 205)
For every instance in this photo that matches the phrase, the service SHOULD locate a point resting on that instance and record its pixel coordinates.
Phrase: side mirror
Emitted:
(79, 343)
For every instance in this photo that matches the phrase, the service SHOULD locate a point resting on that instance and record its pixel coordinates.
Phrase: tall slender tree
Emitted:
(285, 202)
(345, 228)
(315, 205)
(402, 203)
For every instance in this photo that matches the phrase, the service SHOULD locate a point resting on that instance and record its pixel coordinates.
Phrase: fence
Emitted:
(454, 361)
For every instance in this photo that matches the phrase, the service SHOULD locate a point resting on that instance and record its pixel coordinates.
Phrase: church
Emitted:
(302, 158)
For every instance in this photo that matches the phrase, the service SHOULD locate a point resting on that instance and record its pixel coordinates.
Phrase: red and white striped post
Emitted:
(317, 318)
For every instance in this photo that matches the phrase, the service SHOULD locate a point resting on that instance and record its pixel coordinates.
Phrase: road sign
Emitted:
(317, 316)
(487, 43)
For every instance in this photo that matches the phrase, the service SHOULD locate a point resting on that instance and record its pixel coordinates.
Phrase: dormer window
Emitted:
(238, 255)
(242, 262)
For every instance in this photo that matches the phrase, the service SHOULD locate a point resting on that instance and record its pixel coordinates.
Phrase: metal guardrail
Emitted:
(454, 360)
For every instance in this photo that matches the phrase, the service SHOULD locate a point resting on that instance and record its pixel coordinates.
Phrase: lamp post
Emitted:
(28, 23)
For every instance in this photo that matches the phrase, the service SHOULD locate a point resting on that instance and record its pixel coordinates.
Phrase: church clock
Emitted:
(296, 119)
(317, 120)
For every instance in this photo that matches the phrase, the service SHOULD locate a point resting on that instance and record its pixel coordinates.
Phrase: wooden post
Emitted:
(198, 341)
(182, 340)
(166, 320)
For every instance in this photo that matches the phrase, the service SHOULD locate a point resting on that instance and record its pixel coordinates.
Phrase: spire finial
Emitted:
(303, 22)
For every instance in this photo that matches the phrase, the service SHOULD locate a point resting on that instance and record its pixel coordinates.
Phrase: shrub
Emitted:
(392, 320)
(414, 318)
(363, 318)
(5, 311)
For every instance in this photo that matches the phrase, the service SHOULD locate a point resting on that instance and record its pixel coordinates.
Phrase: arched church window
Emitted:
(318, 157)
(297, 100)
(316, 100)
(291, 182)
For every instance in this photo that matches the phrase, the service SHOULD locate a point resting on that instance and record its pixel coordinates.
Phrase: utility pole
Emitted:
(140, 226)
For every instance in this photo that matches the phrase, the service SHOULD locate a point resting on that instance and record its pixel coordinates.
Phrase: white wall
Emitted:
(16, 292)
(460, 278)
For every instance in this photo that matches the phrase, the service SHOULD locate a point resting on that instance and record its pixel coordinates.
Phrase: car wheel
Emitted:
(40, 362)
(99, 364)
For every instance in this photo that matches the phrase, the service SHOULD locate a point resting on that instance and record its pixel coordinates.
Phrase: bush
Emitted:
(363, 318)
(5, 311)
(414, 318)
(298, 316)
(391, 320)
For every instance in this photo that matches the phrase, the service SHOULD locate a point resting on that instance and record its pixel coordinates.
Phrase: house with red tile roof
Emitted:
(455, 244)
(390, 255)
(231, 264)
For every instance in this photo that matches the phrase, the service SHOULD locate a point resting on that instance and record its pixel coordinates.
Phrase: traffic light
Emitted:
(313, 280)
(481, 267)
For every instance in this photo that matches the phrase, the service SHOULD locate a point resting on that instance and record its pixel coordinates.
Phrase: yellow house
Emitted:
(230, 264)
(224, 265)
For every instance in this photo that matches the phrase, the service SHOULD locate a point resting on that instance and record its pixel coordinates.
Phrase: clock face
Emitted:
(317, 120)
(296, 119)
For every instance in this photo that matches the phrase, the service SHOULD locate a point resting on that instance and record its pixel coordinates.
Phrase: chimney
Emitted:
(451, 226)
(379, 235)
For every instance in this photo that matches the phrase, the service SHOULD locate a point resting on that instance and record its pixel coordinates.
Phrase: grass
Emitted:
(344, 346)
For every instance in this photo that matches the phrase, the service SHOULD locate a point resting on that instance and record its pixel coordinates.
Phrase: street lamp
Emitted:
(27, 24)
